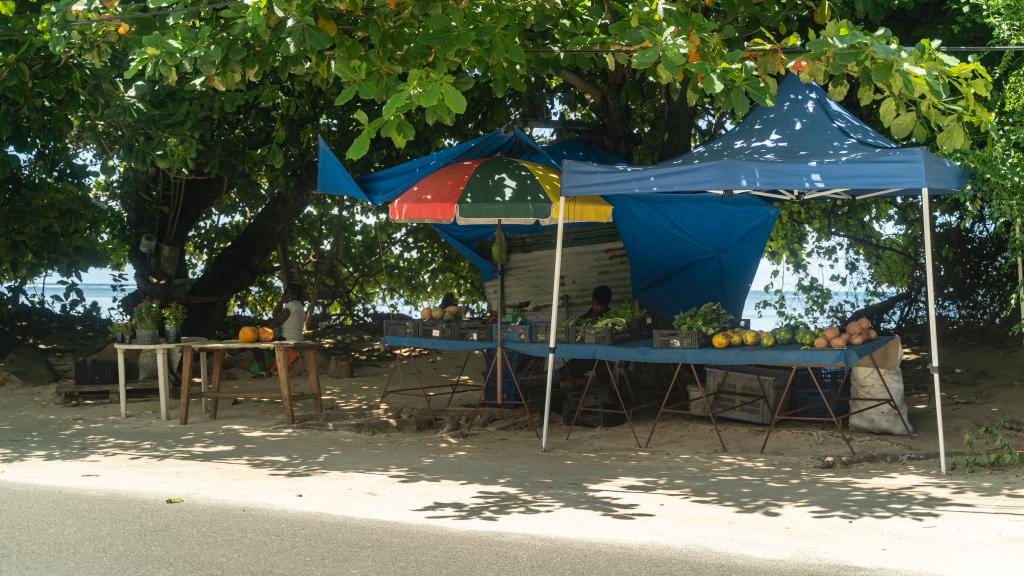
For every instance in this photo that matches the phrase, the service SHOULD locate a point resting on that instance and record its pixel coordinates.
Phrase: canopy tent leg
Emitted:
(932, 328)
(1020, 279)
(554, 323)
(499, 396)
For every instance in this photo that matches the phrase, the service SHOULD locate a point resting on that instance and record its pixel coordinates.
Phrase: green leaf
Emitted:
(361, 117)
(837, 89)
(360, 146)
(7, 7)
(740, 102)
(396, 101)
(345, 95)
(453, 98)
(712, 84)
(881, 73)
(646, 57)
(952, 138)
(903, 125)
(888, 111)
(823, 13)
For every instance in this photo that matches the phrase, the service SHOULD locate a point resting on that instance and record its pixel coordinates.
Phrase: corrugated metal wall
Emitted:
(528, 276)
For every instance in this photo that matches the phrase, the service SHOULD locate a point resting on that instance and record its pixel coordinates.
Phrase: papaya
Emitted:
(720, 340)
(248, 334)
(820, 342)
(266, 334)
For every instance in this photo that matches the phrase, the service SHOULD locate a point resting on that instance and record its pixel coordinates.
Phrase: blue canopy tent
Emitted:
(804, 147)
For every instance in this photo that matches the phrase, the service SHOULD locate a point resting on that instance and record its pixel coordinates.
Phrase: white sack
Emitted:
(866, 383)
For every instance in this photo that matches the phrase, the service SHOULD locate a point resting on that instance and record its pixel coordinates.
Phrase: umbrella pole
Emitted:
(932, 329)
(499, 353)
(552, 341)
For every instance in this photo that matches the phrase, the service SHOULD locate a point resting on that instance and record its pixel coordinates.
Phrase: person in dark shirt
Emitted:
(600, 302)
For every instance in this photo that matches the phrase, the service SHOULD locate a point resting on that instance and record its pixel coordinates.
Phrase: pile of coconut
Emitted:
(857, 332)
(450, 313)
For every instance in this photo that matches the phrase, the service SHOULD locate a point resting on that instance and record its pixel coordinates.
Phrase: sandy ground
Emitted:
(596, 485)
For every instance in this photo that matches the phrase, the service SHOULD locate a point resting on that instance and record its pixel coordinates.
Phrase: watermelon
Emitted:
(784, 335)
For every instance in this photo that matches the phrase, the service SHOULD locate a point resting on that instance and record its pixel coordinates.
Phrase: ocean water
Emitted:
(104, 296)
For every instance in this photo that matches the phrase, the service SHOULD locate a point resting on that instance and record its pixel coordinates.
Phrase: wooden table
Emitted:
(161, 373)
(307, 350)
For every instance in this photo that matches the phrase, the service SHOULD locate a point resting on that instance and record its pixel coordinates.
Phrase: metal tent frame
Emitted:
(788, 195)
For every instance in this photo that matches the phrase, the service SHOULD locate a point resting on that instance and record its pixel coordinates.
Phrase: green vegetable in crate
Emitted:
(784, 335)
(617, 324)
(708, 319)
(768, 340)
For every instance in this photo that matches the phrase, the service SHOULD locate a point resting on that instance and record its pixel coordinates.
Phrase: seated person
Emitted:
(600, 302)
(447, 300)
(289, 320)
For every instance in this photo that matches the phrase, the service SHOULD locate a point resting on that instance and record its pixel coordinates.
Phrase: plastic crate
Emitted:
(402, 328)
(512, 333)
(597, 397)
(677, 339)
(440, 329)
(805, 398)
(541, 332)
(736, 387)
(475, 331)
(606, 335)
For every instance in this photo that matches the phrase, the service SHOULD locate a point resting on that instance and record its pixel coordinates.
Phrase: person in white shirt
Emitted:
(288, 322)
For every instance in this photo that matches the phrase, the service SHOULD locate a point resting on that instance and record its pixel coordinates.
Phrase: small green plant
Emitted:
(147, 315)
(708, 319)
(174, 315)
(1003, 454)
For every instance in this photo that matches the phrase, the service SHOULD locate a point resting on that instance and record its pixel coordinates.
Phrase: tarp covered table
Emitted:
(793, 357)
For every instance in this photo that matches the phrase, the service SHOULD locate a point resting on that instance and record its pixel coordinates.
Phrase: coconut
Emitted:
(872, 333)
(856, 340)
(820, 342)
(854, 328)
(838, 342)
(864, 323)
(425, 314)
(436, 313)
(831, 332)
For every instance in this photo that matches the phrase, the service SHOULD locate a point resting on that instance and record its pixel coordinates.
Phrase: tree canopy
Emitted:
(198, 122)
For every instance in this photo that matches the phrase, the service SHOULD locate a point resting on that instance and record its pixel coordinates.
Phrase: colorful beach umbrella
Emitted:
(488, 190)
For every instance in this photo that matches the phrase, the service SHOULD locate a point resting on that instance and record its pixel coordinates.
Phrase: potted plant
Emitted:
(122, 332)
(146, 318)
(174, 315)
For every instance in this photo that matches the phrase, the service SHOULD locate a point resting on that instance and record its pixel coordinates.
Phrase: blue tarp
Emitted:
(805, 142)
(385, 185)
(686, 250)
(644, 351)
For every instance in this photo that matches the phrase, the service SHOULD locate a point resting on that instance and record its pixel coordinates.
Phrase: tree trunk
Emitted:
(240, 264)
(179, 208)
(678, 135)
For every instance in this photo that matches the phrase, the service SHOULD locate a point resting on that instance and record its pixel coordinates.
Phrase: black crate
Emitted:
(597, 398)
(475, 331)
(606, 335)
(440, 329)
(541, 332)
(402, 328)
(679, 339)
(519, 333)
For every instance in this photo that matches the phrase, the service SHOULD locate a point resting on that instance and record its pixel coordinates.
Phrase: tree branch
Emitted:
(588, 88)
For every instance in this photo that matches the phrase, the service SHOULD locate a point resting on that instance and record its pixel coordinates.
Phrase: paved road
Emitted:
(53, 531)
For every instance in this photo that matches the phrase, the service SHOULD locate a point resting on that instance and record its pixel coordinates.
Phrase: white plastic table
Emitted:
(162, 371)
